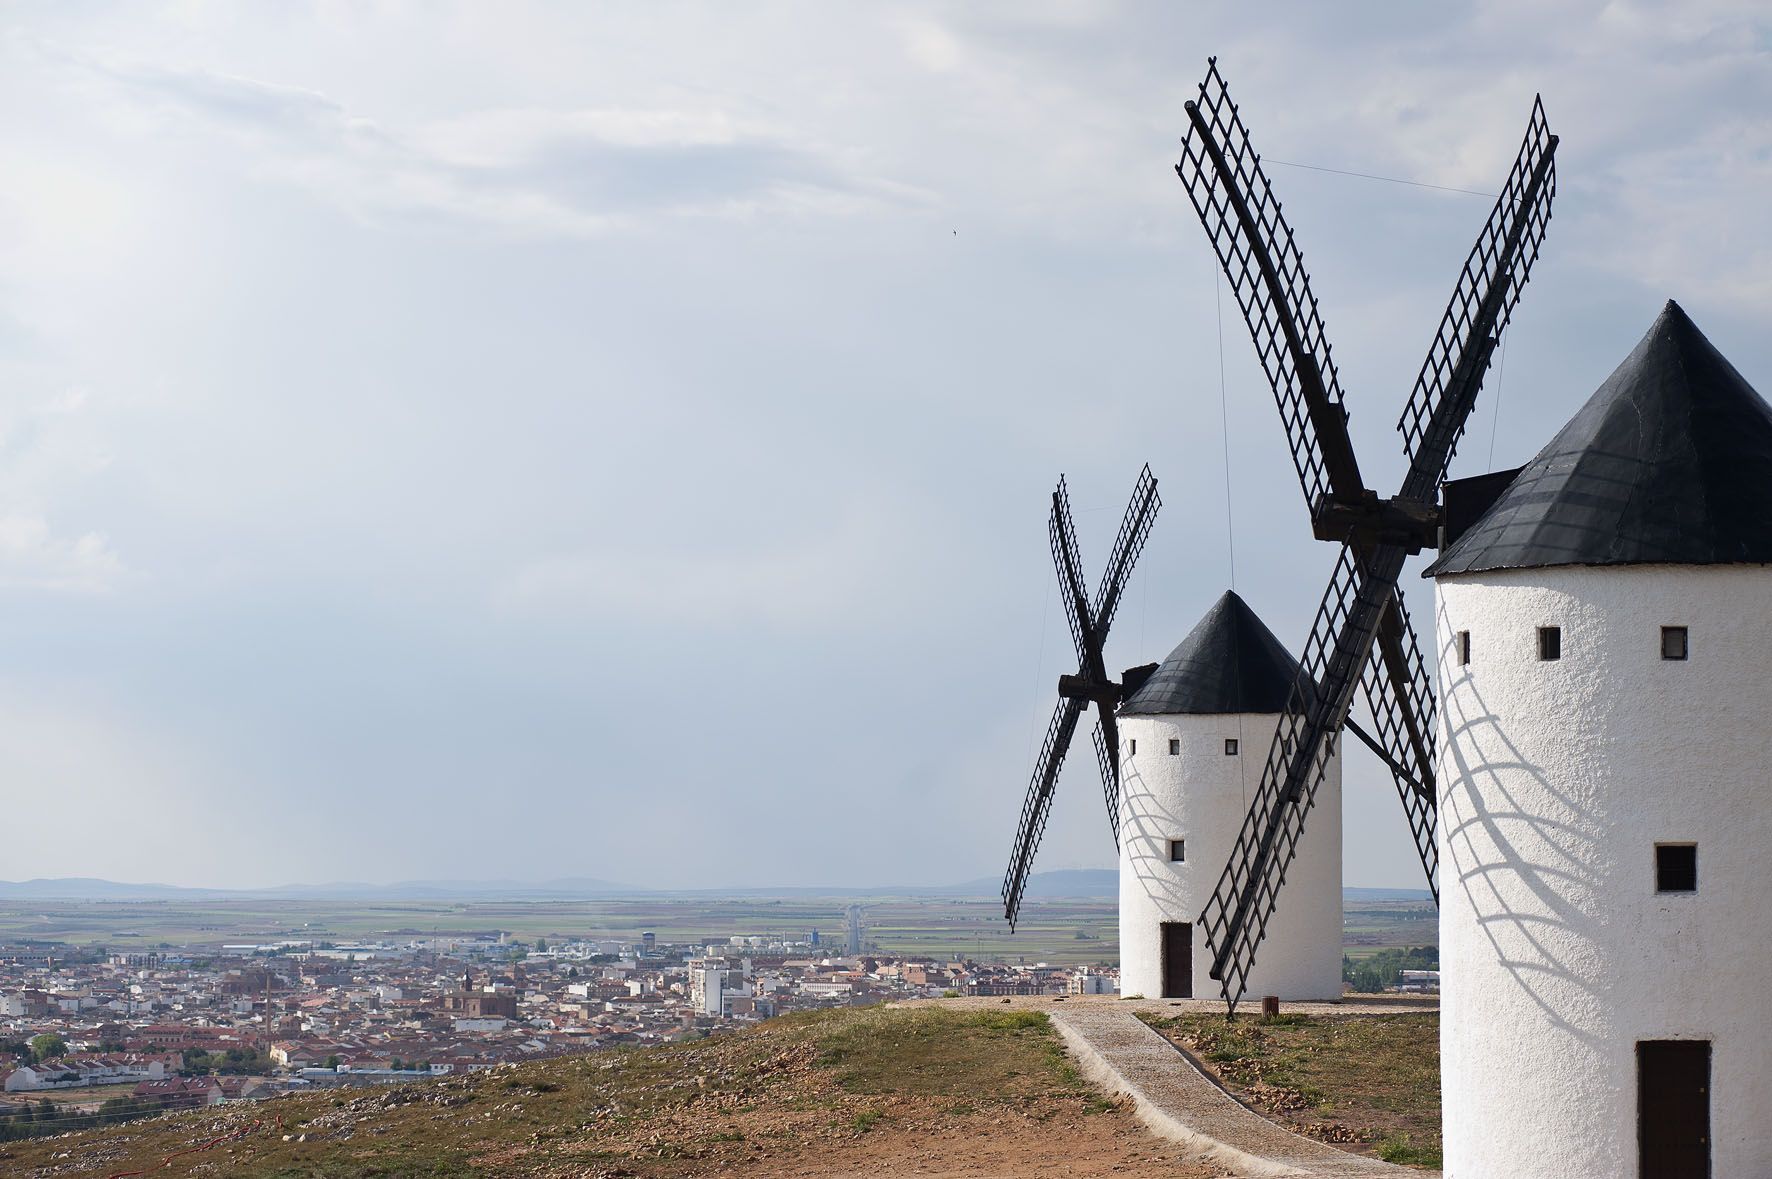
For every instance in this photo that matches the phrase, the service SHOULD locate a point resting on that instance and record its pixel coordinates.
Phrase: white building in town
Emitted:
(1194, 737)
(1605, 675)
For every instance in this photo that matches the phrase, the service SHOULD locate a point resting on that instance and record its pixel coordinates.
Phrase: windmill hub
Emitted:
(1370, 521)
(1077, 687)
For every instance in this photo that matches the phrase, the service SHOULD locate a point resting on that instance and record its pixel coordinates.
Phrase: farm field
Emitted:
(1071, 931)
(1369, 926)
(1062, 931)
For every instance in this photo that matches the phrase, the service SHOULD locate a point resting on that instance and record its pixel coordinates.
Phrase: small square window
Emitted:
(1177, 851)
(1132, 745)
(1230, 747)
(1550, 642)
(1676, 867)
(1673, 642)
(1174, 746)
(1464, 648)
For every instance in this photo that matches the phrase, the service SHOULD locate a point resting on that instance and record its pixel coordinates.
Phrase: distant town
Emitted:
(176, 1028)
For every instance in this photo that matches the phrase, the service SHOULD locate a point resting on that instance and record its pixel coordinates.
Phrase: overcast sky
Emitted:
(615, 440)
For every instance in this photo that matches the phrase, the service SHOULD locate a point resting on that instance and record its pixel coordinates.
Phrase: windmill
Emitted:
(1361, 609)
(1089, 624)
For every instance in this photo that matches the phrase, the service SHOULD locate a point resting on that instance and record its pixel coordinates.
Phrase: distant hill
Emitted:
(87, 888)
(1386, 894)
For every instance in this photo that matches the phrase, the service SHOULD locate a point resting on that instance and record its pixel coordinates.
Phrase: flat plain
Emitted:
(1070, 932)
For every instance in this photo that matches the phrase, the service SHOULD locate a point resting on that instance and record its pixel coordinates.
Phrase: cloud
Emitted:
(33, 557)
(529, 171)
(811, 583)
(384, 367)
(48, 452)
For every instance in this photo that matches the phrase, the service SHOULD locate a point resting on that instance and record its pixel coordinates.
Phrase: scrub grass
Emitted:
(790, 1088)
(1368, 1083)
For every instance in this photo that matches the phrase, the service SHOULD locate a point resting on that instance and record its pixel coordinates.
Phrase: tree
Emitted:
(1382, 969)
(333, 1061)
(541, 945)
(572, 973)
(47, 1046)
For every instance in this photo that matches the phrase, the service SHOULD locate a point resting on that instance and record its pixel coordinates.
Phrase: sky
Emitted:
(543, 440)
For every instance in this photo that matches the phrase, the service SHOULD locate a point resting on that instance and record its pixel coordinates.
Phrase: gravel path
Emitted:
(1177, 1101)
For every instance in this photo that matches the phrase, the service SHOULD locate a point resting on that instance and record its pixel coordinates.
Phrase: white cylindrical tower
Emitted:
(1605, 640)
(1193, 740)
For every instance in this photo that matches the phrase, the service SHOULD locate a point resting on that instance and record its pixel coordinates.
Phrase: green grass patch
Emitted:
(1398, 1149)
(937, 1052)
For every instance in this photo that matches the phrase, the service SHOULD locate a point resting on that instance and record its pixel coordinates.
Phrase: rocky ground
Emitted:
(928, 1090)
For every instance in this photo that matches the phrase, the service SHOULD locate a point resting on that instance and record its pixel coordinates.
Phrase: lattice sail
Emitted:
(1069, 564)
(1256, 248)
(1037, 806)
(1498, 267)
(1135, 529)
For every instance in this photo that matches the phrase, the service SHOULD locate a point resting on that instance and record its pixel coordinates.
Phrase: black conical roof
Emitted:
(1230, 662)
(1669, 462)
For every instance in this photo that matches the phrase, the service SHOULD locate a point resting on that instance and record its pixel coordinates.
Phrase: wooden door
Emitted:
(1178, 960)
(1673, 1109)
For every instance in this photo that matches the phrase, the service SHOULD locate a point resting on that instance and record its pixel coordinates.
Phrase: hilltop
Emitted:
(923, 1089)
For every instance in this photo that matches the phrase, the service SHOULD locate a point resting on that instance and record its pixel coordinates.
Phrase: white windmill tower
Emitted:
(1194, 736)
(1605, 639)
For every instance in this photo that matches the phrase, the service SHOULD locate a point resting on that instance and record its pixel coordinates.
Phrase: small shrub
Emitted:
(1398, 1149)
(1012, 1021)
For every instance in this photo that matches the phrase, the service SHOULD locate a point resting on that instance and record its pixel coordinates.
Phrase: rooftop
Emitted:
(1229, 663)
(1669, 462)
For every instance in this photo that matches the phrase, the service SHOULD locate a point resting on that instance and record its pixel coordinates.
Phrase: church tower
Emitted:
(1194, 737)
(1605, 676)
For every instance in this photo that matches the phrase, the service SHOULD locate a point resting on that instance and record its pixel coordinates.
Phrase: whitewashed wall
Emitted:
(1201, 795)
(1556, 781)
